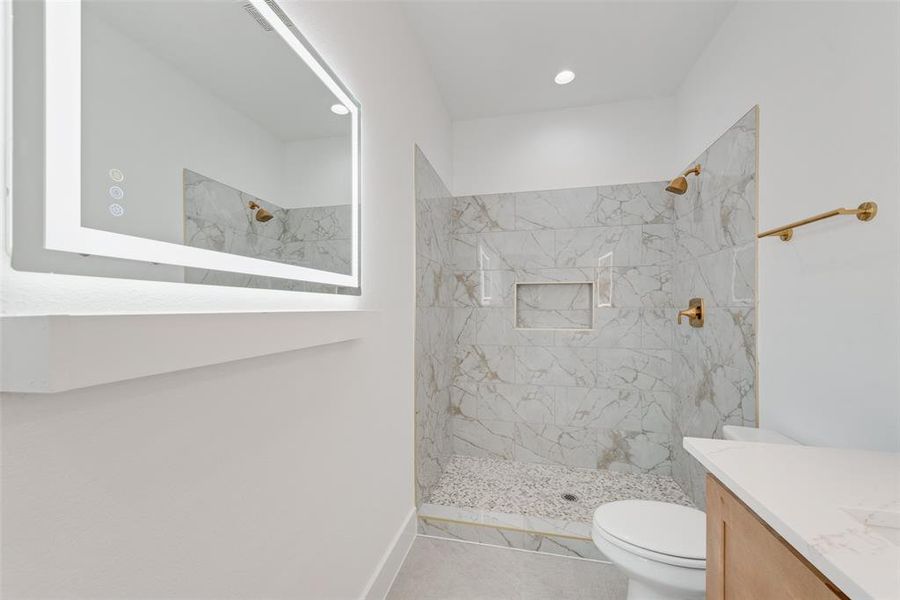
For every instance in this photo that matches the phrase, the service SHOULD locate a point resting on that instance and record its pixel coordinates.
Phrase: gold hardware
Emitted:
(695, 313)
(864, 212)
(679, 185)
(262, 215)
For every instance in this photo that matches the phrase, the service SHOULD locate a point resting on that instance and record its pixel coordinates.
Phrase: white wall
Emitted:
(284, 476)
(607, 144)
(315, 172)
(827, 79)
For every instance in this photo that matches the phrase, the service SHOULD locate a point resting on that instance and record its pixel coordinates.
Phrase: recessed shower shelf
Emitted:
(55, 353)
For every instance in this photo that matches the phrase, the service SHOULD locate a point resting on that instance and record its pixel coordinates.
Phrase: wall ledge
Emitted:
(55, 353)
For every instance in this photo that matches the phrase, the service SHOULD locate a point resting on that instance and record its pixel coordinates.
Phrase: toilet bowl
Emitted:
(661, 547)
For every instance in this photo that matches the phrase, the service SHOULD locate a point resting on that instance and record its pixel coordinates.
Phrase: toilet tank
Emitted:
(754, 434)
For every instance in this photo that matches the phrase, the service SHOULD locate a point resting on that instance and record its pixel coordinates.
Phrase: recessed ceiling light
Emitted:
(564, 77)
(339, 109)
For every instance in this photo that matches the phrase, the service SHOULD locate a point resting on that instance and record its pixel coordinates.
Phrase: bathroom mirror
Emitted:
(229, 152)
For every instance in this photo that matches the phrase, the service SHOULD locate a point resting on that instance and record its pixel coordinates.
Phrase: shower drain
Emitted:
(570, 497)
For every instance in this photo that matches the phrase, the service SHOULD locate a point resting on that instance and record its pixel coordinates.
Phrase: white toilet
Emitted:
(660, 546)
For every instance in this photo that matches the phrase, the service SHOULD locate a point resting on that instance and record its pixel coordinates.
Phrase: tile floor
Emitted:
(440, 569)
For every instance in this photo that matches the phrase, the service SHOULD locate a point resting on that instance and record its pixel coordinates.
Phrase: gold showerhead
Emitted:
(262, 215)
(679, 185)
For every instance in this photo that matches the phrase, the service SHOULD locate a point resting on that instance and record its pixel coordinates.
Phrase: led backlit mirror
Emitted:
(209, 137)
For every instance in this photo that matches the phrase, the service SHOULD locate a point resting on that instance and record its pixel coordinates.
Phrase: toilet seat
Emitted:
(658, 531)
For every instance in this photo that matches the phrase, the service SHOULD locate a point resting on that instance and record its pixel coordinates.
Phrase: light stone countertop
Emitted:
(830, 504)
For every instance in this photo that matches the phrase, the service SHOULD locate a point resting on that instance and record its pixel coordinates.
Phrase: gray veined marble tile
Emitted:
(645, 370)
(516, 403)
(613, 328)
(464, 399)
(491, 439)
(556, 365)
(593, 246)
(640, 286)
(506, 250)
(556, 209)
(635, 452)
(636, 204)
(547, 443)
(657, 244)
(496, 326)
(486, 363)
(464, 248)
(431, 283)
(463, 325)
(483, 288)
(658, 327)
(474, 214)
(609, 409)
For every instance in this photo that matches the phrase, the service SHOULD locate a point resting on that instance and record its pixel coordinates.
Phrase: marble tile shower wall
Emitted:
(714, 368)
(598, 398)
(434, 342)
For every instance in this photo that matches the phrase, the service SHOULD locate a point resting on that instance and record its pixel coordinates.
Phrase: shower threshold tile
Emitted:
(501, 492)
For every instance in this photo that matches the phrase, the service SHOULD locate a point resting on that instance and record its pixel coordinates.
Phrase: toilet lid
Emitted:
(659, 527)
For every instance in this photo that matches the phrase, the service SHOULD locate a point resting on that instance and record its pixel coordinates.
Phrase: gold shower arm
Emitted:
(864, 212)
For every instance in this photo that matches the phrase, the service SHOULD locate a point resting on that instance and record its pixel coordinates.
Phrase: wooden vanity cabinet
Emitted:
(746, 559)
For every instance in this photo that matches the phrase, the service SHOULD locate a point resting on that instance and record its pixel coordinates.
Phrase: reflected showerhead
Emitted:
(679, 185)
(262, 215)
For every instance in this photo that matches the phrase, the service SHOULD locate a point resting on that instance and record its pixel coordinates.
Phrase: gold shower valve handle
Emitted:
(694, 313)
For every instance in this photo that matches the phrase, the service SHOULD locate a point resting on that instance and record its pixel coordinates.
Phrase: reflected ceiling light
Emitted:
(564, 77)
(339, 109)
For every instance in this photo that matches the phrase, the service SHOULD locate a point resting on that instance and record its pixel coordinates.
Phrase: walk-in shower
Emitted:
(551, 375)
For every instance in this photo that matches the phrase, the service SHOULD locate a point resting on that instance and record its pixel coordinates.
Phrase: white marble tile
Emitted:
(548, 443)
(643, 370)
(604, 408)
(505, 250)
(558, 365)
(613, 328)
(474, 214)
(593, 246)
(657, 327)
(516, 403)
(496, 326)
(486, 363)
(635, 452)
(490, 439)
(641, 286)
(483, 288)
(557, 209)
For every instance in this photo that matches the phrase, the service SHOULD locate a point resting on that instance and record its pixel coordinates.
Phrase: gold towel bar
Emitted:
(864, 212)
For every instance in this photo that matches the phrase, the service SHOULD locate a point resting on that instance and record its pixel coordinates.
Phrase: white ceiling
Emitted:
(496, 58)
(224, 50)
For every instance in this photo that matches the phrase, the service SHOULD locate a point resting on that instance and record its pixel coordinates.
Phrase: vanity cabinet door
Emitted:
(745, 559)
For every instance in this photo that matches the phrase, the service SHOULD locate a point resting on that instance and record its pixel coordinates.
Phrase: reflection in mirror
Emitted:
(212, 137)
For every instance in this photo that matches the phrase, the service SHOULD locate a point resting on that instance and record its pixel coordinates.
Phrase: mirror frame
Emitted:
(62, 228)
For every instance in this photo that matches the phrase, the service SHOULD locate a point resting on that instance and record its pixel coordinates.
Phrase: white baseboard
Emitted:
(383, 577)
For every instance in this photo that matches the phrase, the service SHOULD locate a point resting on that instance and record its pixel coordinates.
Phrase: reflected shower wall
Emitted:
(220, 217)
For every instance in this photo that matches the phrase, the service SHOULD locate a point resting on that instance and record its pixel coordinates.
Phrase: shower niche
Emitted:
(554, 305)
